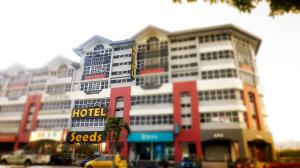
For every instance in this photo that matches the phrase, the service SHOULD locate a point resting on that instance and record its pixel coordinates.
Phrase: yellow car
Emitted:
(105, 161)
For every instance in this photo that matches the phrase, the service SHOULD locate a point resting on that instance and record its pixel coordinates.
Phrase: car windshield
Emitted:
(18, 152)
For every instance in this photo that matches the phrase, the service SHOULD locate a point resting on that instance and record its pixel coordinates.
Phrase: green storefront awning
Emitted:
(140, 137)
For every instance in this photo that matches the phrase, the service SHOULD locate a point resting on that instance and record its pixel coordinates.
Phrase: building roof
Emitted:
(89, 43)
(150, 27)
(253, 38)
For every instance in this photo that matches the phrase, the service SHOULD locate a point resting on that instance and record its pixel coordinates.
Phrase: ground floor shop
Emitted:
(216, 145)
(229, 145)
(151, 146)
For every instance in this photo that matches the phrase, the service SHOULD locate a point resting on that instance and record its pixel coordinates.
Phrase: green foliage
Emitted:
(289, 153)
(277, 7)
(113, 128)
(86, 149)
(112, 131)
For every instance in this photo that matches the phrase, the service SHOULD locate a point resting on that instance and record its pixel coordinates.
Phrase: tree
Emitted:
(277, 7)
(112, 131)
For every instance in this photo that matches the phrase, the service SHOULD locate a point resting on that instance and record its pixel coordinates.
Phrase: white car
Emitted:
(26, 158)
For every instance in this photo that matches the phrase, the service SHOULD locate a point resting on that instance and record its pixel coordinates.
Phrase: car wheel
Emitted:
(3, 162)
(90, 166)
(27, 163)
(52, 162)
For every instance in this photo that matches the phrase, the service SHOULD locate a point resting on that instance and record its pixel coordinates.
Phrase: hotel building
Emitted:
(191, 92)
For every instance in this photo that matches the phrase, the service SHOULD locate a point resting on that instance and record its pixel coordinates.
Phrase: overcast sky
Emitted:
(33, 32)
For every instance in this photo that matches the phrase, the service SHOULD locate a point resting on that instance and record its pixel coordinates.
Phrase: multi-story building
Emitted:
(191, 92)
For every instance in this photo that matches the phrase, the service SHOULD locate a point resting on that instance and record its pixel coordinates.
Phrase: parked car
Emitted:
(26, 158)
(91, 157)
(245, 163)
(107, 161)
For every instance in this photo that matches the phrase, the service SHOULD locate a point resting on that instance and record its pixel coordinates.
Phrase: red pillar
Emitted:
(192, 135)
(259, 116)
(23, 135)
(125, 93)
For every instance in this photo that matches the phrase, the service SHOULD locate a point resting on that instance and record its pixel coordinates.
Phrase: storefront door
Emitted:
(144, 151)
(158, 152)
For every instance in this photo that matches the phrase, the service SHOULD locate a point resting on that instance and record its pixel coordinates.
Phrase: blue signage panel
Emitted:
(150, 137)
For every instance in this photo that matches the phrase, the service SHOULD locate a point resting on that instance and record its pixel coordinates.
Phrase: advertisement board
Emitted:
(85, 137)
(84, 115)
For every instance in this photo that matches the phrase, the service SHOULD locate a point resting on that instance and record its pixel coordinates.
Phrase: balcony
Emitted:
(56, 111)
(56, 80)
(49, 97)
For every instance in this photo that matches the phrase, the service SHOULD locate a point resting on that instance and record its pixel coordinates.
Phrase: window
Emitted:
(220, 117)
(88, 122)
(217, 55)
(11, 108)
(52, 123)
(215, 37)
(59, 89)
(213, 95)
(121, 63)
(99, 47)
(153, 81)
(97, 61)
(185, 74)
(151, 99)
(153, 54)
(216, 74)
(9, 126)
(121, 80)
(189, 65)
(114, 73)
(56, 105)
(183, 39)
(93, 87)
(183, 48)
(248, 78)
(151, 120)
(64, 72)
(15, 93)
(92, 103)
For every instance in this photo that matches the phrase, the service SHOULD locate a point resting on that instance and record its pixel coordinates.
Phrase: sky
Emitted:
(33, 32)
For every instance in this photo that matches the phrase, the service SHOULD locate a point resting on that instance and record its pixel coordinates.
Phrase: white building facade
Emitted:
(184, 93)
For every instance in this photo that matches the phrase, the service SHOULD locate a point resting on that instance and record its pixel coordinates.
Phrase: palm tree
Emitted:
(112, 130)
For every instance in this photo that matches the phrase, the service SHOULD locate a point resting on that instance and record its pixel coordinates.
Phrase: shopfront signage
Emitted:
(150, 137)
(47, 135)
(80, 115)
(85, 137)
(218, 135)
(94, 112)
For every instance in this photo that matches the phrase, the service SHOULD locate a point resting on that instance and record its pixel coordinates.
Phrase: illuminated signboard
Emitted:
(94, 112)
(133, 63)
(85, 137)
(47, 135)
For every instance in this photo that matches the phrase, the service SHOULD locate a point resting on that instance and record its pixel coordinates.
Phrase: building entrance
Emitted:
(217, 150)
(152, 151)
(260, 150)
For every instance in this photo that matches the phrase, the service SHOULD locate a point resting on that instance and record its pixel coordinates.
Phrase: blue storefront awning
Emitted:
(150, 137)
